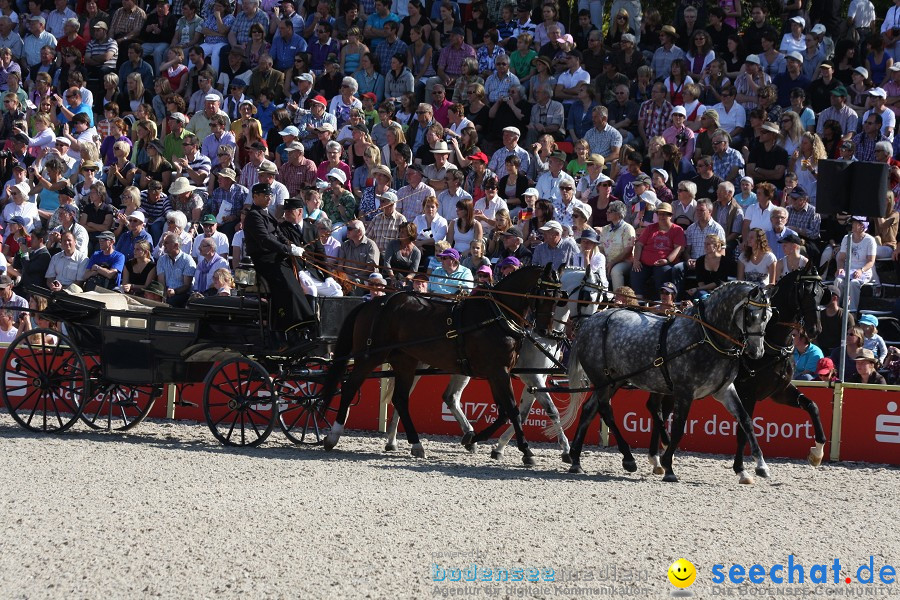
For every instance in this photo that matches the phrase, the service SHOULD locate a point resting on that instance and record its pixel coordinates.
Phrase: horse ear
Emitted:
(769, 290)
(548, 268)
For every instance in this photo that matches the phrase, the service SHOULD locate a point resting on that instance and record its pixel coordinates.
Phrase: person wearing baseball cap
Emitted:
(768, 160)
(656, 250)
(555, 249)
(510, 146)
(315, 120)
(451, 278)
(513, 242)
(862, 260)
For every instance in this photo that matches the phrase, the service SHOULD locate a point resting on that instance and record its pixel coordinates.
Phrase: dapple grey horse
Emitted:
(583, 289)
(687, 356)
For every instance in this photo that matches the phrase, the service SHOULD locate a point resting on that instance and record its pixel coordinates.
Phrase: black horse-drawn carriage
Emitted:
(113, 355)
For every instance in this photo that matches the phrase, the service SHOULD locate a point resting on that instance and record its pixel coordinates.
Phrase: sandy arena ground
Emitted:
(167, 512)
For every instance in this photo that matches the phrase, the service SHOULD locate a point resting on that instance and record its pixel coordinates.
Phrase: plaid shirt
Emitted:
(806, 222)
(865, 146)
(722, 165)
(846, 118)
(655, 118)
(296, 177)
(243, 23)
(227, 203)
(495, 87)
(451, 58)
(384, 229)
(385, 51)
(410, 200)
(696, 237)
(602, 142)
(125, 22)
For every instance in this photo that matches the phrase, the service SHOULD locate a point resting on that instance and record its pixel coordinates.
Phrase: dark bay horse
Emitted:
(795, 300)
(479, 336)
(689, 356)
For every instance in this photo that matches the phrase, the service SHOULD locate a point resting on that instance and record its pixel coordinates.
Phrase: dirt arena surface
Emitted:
(165, 512)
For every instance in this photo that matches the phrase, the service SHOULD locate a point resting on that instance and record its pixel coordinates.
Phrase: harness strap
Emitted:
(455, 318)
(661, 352)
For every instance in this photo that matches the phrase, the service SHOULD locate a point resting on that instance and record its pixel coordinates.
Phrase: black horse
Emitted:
(480, 336)
(795, 300)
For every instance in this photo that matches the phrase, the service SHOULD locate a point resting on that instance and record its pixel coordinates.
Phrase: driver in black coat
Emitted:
(273, 254)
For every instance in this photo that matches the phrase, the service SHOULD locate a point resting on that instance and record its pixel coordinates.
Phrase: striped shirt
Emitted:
(384, 229)
(654, 118)
(696, 237)
(410, 199)
(297, 177)
(451, 59)
(95, 48)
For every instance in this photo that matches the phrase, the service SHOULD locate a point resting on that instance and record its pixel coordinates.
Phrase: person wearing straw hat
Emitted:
(866, 369)
(656, 251)
(863, 249)
(667, 52)
(436, 173)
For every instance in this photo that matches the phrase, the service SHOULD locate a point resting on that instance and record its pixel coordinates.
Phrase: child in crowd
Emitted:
(872, 340)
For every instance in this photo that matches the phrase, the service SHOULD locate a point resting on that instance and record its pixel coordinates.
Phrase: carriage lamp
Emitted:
(245, 273)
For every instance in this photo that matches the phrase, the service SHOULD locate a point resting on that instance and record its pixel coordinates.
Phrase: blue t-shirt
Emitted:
(114, 260)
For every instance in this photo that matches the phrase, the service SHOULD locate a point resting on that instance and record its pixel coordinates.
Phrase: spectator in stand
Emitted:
(845, 116)
(806, 356)
(863, 249)
(66, 267)
(175, 271)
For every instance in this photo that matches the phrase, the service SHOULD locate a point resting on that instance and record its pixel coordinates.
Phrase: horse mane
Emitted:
(717, 310)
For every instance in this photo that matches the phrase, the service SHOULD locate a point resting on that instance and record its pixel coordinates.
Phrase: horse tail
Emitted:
(577, 378)
(343, 352)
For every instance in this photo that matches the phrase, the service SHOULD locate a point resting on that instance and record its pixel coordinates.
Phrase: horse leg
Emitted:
(549, 407)
(791, 396)
(730, 399)
(588, 412)
(741, 437)
(348, 391)
(654, 406)
(682, 408)
(390, 443)
(606, 412)
(501, 386)
(404, 374)
(525, 403)
(666, 410)
(491, 429)
(452, 396)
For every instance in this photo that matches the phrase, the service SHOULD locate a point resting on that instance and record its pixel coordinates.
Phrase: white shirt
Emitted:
(859, 252)
(548, 186)
(28, 210)
(568, 80)
(891, 20)
(729, 121)
(489, 210)
(437, 231)
(221, 244)
(888, 121)
(862, 12)
(759, 217)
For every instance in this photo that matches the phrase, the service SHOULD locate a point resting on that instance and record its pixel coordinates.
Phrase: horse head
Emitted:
(751, 317)
(809, 295)
(545, 297)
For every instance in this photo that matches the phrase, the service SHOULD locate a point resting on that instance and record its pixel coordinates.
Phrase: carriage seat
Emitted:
(115, 300)
(225, 303)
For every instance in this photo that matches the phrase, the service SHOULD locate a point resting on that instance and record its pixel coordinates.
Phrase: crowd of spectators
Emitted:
(445, 142)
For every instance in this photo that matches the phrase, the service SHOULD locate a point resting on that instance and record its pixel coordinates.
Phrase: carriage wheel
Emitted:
(118, 407)
(239, 402)
(44, 383)
(305, 416)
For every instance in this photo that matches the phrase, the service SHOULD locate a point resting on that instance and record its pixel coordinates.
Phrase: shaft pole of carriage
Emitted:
(514, 371)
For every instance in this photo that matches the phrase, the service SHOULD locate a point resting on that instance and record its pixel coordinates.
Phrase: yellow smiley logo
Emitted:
(682, 573)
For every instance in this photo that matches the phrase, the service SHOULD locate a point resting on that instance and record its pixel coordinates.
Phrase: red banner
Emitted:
(870, 427)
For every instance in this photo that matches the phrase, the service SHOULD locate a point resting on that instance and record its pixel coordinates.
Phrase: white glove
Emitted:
(296, 250)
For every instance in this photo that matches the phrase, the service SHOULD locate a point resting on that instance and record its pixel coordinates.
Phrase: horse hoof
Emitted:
(629, 465)
(658, 470)
(467, 439)
(389, 447)
(496, 454)
(329, 444)
(470, 448)
(417, 452)
(566, 458)
(670, 478)
(762, 471)
(815, 457)
(528, 461)
(746, 479)
(576, 468)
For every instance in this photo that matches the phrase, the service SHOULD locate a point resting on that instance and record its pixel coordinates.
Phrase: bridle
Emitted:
(544, 297)
(745, 308)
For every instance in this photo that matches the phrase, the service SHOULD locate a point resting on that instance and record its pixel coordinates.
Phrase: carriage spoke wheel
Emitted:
(305, 416)
(119, 407)
(239, 402)
(44, 381)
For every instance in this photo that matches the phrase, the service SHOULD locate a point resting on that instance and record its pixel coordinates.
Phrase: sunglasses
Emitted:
(353, 229)
(566, 188)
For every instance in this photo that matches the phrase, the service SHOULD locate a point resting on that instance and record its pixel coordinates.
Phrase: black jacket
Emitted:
(263, 240)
